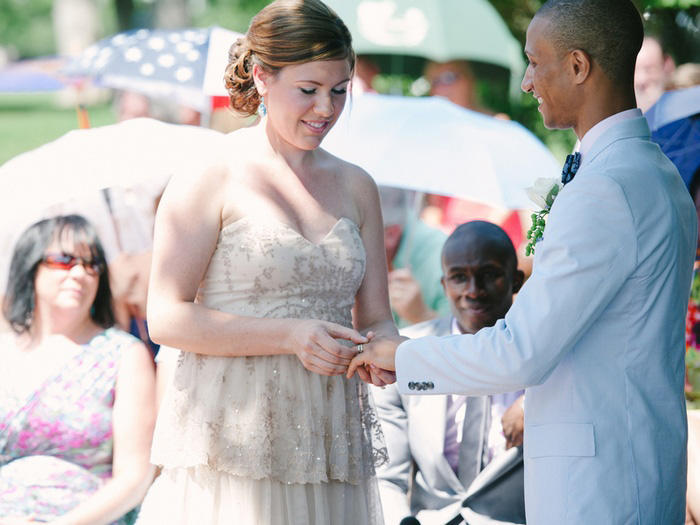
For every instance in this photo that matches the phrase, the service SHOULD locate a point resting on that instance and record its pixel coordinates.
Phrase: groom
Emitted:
(596, 333)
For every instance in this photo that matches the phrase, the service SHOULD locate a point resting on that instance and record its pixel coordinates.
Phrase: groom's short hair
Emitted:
(609, 31)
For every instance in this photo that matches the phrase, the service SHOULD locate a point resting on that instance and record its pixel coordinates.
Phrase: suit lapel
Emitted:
(432, 418)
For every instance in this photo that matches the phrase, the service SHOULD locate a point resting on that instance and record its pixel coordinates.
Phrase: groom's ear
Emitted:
(518, 280)
(580, 63)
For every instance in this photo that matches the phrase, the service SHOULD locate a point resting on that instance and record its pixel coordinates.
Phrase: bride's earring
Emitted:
(262, 109)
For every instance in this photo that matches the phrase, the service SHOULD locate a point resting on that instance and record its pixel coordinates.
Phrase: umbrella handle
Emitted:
(418, 201)
(83, 117)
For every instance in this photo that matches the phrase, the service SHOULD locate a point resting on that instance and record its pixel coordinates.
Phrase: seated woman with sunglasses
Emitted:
(77, 405)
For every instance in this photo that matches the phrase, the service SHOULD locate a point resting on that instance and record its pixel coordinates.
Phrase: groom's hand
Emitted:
(380, 353)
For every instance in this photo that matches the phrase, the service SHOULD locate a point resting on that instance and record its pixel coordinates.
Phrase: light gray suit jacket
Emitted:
(597, 334)
(414, 430)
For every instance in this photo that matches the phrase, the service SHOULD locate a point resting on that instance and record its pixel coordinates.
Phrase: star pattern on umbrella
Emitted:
(168, 56)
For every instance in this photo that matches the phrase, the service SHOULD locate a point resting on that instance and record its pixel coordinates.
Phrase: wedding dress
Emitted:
(262, 440)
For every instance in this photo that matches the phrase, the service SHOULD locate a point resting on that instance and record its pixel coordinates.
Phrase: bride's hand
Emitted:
(314, 343)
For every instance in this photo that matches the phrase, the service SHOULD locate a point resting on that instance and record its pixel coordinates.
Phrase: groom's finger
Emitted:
(364, 375)
(386, 376)
(358, 361)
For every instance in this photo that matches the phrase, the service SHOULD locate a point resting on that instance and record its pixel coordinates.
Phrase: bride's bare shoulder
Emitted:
(216, 163)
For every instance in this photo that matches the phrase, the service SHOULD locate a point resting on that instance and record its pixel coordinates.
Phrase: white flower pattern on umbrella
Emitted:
(159, 63)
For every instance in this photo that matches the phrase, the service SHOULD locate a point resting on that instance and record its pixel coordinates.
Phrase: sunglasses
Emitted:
(64, 261)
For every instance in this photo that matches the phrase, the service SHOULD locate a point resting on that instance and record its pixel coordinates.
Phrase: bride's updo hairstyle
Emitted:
(286, 32)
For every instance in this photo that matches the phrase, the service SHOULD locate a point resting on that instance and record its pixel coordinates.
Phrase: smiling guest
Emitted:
(77, 395)
(449, 440)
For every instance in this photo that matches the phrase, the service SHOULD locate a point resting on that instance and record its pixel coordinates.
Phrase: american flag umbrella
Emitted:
(160, 63)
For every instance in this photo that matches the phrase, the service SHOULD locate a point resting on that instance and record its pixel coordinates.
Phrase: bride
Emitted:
(268, 275)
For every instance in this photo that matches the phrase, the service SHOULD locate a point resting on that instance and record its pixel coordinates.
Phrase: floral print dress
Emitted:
(56, 444)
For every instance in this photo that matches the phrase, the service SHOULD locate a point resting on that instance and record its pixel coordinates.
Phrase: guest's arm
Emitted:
(513, 422)
(133, 420)
(407, 298)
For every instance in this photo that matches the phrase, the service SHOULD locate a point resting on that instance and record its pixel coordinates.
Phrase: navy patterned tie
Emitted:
(570, 167)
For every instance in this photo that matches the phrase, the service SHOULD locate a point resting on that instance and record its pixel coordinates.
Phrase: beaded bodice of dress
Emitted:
(264, 268)
(267, 416)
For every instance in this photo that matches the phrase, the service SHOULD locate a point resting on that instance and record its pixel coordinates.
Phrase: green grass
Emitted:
(29, 121)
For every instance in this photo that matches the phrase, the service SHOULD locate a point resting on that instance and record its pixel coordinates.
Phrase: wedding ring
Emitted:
(359, 349)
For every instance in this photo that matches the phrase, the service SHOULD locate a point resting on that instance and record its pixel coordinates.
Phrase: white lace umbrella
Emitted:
(430, 145)
(134, 159)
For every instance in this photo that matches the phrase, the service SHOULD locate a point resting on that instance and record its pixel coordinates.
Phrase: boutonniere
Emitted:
(543, 194)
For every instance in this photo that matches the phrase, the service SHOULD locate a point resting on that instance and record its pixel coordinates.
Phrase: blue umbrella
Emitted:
(31, 76)
(672, 106)
(160, 63)
(680, 141)
(675, 124)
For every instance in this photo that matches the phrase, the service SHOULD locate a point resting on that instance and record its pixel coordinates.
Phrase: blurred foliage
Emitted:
(673, 4)
(26, 26)
(676, 22)
(692, 367)
(678, 30)
(31, 120)
(233, 15)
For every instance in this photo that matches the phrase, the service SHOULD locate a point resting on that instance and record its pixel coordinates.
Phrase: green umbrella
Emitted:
(439, 30)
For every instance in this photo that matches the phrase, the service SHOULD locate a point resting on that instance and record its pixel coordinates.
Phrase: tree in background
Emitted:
(76, 25)
(26, 27)
(677, 22)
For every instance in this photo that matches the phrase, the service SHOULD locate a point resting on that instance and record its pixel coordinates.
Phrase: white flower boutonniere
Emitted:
(543, 194)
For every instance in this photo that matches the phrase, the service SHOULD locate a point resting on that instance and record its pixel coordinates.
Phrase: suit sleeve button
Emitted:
(411, 385)
(430, 385)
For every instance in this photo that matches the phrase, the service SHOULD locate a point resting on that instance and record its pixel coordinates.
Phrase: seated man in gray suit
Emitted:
(439, 444)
